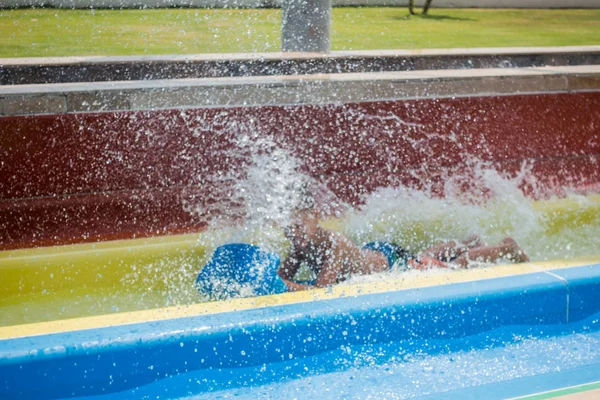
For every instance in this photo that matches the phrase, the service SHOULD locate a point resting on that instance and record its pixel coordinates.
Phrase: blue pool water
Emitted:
(502, 363)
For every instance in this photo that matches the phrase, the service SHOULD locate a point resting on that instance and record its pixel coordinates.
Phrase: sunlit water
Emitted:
(492, 205)
(411, 218)
(398, 370)
(265, 191)
(417, 219)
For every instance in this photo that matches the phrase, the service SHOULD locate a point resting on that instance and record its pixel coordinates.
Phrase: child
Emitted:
(334, 258)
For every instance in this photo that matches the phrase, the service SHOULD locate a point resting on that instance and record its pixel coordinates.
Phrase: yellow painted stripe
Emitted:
(412, 280)
(561, 264)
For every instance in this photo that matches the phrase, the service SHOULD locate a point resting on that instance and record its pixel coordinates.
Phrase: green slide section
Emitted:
(564, 392)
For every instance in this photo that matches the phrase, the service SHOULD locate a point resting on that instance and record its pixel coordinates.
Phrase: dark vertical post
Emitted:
(305, 25)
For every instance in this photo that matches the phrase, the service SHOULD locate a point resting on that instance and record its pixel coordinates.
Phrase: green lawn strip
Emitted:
(59, 32)
(563, 392)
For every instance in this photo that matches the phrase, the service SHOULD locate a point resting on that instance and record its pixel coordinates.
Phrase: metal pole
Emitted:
(305, 25)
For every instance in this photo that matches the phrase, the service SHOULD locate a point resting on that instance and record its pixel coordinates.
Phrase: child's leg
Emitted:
(473, 241)
(445, 251)
(507, 249)
(448, 251)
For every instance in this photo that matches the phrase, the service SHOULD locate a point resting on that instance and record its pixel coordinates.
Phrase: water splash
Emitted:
(418, 219)
(260, 192)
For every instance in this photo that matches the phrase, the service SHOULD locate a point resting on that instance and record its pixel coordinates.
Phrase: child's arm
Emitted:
(328, 276)
(295, 287)
(288, 270)
(290, 266)
(340, 251)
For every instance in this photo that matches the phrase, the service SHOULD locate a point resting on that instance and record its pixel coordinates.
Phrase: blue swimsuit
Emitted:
(397, 256)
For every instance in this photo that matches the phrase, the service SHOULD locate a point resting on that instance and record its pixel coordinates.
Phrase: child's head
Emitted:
(305, 220)
(303, 228)
(306, 198)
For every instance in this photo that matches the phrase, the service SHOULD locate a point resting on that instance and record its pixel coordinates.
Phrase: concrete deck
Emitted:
(17, 71)
(295, 89)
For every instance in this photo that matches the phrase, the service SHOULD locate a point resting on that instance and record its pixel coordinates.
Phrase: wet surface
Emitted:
(417, 368)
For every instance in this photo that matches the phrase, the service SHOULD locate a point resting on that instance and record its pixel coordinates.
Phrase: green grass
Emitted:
(54, 32)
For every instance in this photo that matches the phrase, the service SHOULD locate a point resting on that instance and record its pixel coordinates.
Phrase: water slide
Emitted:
(108, 217)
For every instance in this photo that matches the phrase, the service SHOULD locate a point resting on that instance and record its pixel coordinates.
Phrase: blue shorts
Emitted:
(397, 256)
